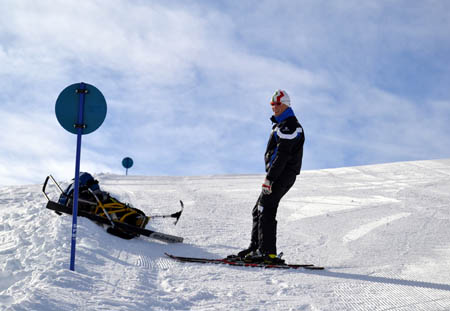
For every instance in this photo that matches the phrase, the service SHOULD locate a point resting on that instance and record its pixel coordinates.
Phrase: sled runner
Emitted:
(122, 220)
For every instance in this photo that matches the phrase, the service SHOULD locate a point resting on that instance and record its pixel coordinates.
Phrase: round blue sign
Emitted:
(67, 105)
(127, 162)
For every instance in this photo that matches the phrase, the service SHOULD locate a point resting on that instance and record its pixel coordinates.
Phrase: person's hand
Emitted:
(267, 187)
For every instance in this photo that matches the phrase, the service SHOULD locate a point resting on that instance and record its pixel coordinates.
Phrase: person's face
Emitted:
(278, 108)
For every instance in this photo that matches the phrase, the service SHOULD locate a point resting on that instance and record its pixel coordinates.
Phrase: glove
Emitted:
(267, 187)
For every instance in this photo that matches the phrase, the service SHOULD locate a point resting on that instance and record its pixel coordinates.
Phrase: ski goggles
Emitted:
(275, 103)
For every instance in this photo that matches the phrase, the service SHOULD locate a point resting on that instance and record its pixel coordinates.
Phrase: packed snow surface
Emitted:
(382, 232)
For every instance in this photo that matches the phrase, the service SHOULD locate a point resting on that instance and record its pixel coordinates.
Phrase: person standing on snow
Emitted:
(283, 158)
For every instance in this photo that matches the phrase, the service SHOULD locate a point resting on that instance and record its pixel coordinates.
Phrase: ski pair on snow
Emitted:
(235, 261)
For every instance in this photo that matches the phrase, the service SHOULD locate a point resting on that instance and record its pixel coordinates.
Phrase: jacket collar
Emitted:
(286, 114)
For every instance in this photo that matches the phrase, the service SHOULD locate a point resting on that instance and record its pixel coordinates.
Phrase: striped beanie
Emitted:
(281, 97)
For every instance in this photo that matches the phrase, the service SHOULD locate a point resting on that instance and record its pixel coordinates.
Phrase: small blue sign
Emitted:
(127, 162)
(67, 106)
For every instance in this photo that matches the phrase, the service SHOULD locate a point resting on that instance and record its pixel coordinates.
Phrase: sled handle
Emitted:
(45, 186)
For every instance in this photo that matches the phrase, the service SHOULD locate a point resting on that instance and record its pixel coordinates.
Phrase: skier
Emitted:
(283, 158)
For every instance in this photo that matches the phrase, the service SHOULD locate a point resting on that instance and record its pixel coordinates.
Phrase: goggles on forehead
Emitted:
(275, 103)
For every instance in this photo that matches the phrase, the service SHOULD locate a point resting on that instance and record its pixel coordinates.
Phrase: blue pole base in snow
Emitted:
(79, 126)
(75, 203)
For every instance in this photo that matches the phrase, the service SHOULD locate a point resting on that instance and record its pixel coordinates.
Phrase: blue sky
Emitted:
(188, 83)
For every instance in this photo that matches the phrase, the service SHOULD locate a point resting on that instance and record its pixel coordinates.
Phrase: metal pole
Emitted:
(80, 125)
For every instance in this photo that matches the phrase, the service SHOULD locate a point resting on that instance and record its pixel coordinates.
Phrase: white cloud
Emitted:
(187, 84)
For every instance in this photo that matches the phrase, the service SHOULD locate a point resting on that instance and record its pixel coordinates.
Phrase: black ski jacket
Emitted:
(284, 151)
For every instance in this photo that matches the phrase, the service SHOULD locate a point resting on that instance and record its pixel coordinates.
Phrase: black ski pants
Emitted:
(264, 229)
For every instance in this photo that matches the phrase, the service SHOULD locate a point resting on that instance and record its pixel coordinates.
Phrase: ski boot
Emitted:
(267, 259)
(273, 259)
(241, 255)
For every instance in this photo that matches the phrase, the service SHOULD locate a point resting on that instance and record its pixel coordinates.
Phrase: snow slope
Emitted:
(382, 231)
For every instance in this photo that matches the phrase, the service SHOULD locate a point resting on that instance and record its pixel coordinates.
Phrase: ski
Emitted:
(120, 225)
(240, 263)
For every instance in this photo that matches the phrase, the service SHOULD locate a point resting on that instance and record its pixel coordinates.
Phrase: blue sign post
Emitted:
(80, 109)
(127, 163)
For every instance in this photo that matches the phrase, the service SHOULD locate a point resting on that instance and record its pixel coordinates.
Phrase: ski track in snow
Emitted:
(382, 231)
(365, 229)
